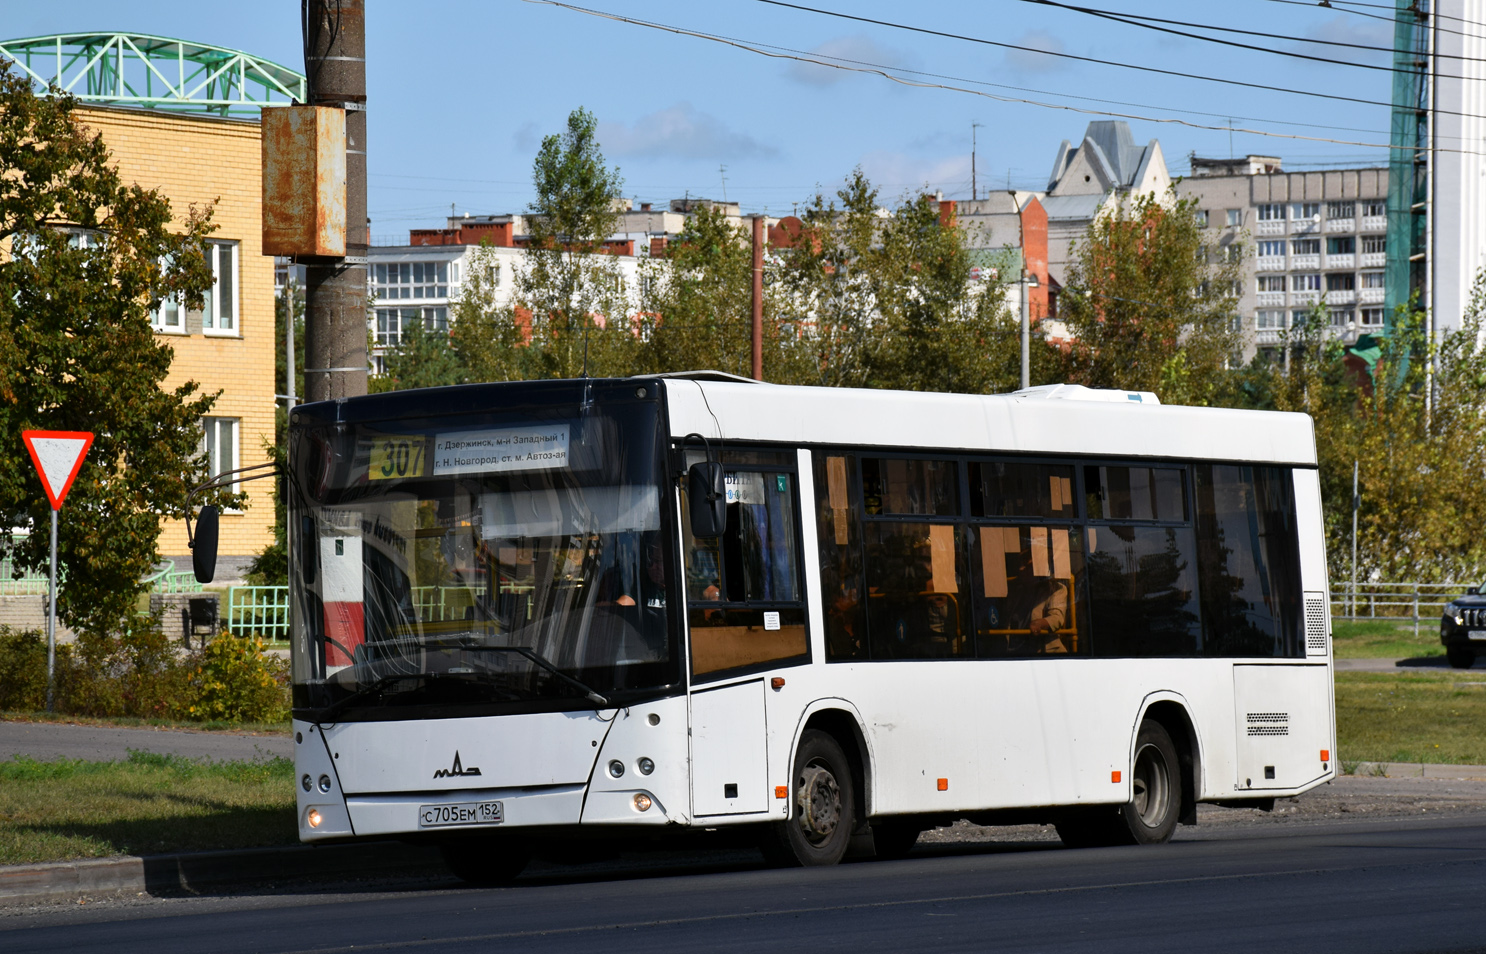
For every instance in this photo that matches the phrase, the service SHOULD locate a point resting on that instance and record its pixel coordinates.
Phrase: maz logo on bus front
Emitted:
(456, 769)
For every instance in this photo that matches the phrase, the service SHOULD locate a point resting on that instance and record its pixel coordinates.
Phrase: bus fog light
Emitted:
(324, 783)
(642, 802)
(305, 783)
(645, 766)
(616, 768)
(313, 817)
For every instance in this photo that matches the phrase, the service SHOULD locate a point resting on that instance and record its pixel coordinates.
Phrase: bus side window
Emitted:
(743, 588)
(1029, 591)
(839, 528)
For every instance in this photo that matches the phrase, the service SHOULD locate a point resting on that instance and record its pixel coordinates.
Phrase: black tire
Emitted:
(486, 861)
(1460, 657)
(894, 838)
(1150, 817)
(822, 807)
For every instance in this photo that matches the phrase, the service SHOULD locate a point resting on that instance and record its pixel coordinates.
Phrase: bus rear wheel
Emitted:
(1150, 816)
(486, 861)
(823, 807)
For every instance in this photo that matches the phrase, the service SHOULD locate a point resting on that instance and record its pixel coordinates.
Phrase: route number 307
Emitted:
(396, 457)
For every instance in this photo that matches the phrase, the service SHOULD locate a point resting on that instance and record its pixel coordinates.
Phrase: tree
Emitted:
(575, 294)
(84, 261)
(1150, 303)
(487, 338)
(423, 358)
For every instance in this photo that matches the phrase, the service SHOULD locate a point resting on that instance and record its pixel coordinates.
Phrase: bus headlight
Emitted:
(313, 818)
(616, 768)
(324, 783)
(643, 802)
(305, 783)
(645, 766)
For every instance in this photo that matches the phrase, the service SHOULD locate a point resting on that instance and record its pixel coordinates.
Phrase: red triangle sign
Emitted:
(58, 456)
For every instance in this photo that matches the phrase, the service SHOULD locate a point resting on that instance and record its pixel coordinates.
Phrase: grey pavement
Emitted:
(60, 740)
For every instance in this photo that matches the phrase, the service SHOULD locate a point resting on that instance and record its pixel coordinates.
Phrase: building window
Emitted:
(492, 272)
(1272, 249)
(1372, 317)
(1374, 244)
(1202, 218)
(1341, 317)
(436, 319)
(219, 445)
(1374, 207)
(1271, 283)
(1269, 320)
(411, 280)
(1271, 213)
(1341, 281)
(1304, 210)
(1299, 317)
(1341, 245)
(1372, 280)
(168, 317)
(1311, 282)
(1341, 210)
(219, 310)
(1235, 218)
(1305, 247)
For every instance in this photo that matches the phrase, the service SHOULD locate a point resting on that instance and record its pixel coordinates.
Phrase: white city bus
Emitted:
(539, 611)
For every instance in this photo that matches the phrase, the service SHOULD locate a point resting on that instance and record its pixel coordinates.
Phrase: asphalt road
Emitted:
(59, 740)
(1361, 885)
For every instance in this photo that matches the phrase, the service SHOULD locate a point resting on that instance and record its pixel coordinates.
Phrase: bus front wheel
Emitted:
(1155, 799)
(823, 807)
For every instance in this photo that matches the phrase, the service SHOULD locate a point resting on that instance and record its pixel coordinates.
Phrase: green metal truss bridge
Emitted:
(155, 72)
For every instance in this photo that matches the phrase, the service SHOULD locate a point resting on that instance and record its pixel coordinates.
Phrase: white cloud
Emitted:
(681, 132)
(895, 173)
(857, 47)
(1032, 57)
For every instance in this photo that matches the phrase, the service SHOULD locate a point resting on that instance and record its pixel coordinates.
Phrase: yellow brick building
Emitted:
(229, 344)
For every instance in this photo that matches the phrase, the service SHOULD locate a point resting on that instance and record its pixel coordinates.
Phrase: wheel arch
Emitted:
(1171, 711)
(843, 722)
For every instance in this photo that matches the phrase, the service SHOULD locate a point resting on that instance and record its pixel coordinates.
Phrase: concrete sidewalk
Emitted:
(61, 740)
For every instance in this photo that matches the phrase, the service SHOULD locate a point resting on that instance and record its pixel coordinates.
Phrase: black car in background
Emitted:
(1463, 628)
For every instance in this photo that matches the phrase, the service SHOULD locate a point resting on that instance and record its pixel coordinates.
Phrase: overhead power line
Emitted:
(1151, 23)
(764, 49)
(1335, 6)
(1084, 59)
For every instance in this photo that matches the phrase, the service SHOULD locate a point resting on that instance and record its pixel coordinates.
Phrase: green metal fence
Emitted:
(261, 611)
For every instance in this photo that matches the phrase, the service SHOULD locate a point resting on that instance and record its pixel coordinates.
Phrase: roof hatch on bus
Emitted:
(1077, 392)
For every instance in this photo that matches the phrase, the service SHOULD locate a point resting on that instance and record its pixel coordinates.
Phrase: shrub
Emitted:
(132, 672)
(23, 670)
(235, 681)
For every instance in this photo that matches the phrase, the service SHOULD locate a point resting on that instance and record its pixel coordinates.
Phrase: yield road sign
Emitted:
(58, 456)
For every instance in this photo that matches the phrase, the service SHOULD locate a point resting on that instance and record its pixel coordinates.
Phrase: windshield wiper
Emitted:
(335, 708)
(535, 657)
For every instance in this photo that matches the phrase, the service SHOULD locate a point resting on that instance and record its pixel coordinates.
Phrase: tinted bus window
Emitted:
(1135, 493)
(1248, 561)
(1029, 596)
(1010, 489)
(910, 487)
(839, 522)
(915, 601)
(1142, 591)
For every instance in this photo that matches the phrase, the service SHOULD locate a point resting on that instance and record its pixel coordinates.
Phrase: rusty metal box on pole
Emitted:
(304, 181)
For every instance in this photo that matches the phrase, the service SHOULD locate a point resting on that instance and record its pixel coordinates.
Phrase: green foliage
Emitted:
(23, 669)
(1150, 304)
(488, 340)
(234, 680)
(423, 358)
(77, 353)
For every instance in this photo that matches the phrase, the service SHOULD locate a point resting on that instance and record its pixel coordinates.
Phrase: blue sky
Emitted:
(461, 91)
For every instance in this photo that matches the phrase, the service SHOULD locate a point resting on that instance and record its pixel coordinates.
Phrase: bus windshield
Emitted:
(479, 563)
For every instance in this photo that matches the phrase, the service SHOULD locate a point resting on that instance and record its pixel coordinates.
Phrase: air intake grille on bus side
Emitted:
(1315, 625)
(1269, 723)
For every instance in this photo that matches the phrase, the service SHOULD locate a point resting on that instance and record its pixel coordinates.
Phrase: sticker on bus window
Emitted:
(501, 449)
(394, 458)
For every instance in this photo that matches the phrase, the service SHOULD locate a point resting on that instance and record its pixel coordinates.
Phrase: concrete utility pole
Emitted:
(335, 289)
(758, 297)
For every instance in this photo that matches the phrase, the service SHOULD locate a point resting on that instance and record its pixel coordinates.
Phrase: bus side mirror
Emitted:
(706, 499)
(204, 544)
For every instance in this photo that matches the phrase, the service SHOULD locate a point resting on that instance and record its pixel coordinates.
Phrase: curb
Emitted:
(190, 872)
(1416, 770)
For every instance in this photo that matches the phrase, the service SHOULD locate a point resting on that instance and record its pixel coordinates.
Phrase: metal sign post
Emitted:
(58, 456)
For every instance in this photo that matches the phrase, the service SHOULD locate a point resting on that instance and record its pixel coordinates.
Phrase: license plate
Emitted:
(1476, 634)
(460, 813)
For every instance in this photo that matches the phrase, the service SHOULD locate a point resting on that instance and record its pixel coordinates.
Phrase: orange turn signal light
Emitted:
(777, 682)
(1114, 777)
(944, 785)
(1326, 755)
(781, 791)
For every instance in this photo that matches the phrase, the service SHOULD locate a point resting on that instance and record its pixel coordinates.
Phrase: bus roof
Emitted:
(1038, 421)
